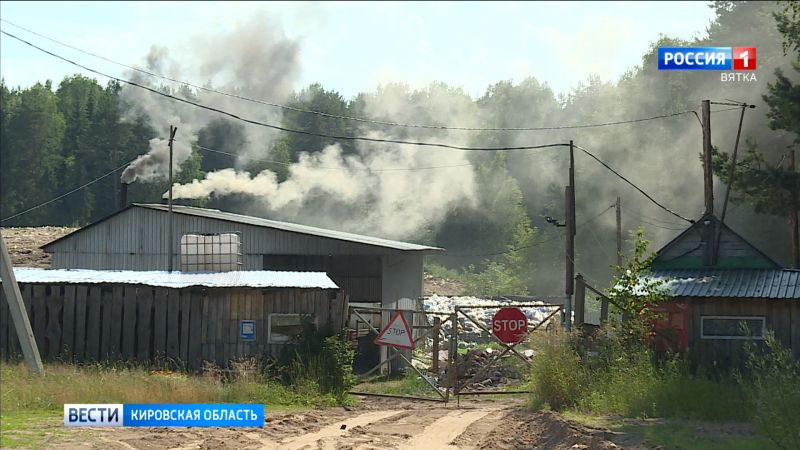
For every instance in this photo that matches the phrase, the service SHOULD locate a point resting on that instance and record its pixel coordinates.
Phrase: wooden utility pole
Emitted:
(620, 261)
(18, 314)
(569, 202)
(172, 131)
(709, 233)
(580, 300)
(708, 178)
(793, 217)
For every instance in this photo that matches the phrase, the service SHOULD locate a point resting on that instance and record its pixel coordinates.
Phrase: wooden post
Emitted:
(620, 259)
(708, 178)
(569, 201)
(793, 222)
(580, 300)
(172, 131)
(18, 314)
(452, 352)
(437, 326)
(709, 232)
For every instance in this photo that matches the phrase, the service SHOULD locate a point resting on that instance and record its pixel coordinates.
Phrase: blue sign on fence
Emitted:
(247, 330)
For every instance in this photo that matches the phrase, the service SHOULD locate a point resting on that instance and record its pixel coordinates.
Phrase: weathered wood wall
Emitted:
(782, 317)
(80, 323)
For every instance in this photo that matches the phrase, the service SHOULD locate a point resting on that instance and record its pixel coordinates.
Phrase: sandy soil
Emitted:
(375, 424)
(441, 286)
(23, 244)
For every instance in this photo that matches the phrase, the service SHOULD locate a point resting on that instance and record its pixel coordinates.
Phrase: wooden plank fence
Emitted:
(150, 325)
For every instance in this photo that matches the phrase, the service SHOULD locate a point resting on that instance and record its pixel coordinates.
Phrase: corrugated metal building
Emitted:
(154, 317)
(719, 282)
(369, 269)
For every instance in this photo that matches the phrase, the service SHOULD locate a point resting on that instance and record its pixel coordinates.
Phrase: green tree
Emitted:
(634, 293)
(316, 98)
(771, 189)
(31, 153)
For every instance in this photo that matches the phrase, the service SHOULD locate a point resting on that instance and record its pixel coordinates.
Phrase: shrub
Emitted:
(773, 387)
(558, 379)
(627, 379)
(324, 360)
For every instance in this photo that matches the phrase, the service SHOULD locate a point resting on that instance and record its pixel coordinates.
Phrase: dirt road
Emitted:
(374, 424)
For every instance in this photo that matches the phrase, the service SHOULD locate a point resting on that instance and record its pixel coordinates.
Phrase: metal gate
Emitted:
(363, 318)
(437, 333)
(462, 387)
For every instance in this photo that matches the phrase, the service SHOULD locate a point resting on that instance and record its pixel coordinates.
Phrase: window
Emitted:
(732, 327)
(284, 327)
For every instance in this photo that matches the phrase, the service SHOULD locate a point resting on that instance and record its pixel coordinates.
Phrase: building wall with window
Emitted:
(726, 292)
(720, 327)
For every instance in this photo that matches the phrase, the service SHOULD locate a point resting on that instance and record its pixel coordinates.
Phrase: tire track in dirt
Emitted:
(442, 432)
(333, 430)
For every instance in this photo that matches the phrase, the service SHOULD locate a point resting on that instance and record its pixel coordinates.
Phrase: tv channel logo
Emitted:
(93, 415)
(707, 58)
(164, 415)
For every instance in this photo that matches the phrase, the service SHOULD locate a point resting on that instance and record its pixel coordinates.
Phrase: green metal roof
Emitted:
(732, 283)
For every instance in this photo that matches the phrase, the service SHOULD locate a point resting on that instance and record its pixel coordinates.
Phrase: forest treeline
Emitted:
(56, 137)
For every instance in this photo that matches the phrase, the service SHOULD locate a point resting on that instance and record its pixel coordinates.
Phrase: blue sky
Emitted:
(352, 47)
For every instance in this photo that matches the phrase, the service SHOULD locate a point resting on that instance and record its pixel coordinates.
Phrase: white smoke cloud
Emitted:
(351, 192)
(254, 60)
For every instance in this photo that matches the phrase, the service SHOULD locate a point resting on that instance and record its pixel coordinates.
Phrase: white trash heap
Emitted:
(469, 333)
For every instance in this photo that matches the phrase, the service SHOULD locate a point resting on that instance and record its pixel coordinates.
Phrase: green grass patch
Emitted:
(409, 384)
(633, 382)
(30, 429)
(681, 434)
(439, 271)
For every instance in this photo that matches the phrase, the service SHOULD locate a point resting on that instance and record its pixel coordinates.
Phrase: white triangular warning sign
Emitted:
(396, 333)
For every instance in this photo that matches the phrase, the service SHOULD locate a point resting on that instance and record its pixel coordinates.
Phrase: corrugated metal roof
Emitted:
(291, 227)
(740, 283)
(177, 280)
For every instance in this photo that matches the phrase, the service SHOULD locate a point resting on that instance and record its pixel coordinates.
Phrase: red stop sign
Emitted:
(509, 325)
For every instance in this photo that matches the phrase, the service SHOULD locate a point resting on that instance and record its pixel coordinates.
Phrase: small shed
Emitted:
(720, 282)
(152, 316)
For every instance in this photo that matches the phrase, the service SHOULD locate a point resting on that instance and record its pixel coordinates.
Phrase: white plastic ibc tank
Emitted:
(210, 253)
(189, 252)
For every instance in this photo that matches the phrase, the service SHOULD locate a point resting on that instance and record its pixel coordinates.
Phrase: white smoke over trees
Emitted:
(356, 193)
(255, 60)
(344, 185)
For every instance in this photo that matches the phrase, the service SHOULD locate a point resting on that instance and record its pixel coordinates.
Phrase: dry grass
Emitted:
(63, 383)
(70, 384)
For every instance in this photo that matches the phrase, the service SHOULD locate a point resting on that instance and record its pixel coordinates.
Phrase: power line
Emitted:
(641, 215)
(634, 186)
(233, 155)
(277, 127)
(535, 244)
(338, 116)
(66, 193)
(649, 220)
(660, 226)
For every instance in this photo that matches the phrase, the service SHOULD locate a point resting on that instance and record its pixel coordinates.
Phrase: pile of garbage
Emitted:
(471, 363)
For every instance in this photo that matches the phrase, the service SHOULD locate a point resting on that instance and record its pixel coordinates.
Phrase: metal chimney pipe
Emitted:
(123, 195)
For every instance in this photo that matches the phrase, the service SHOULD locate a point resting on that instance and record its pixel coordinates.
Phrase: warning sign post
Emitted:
(396, 333)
